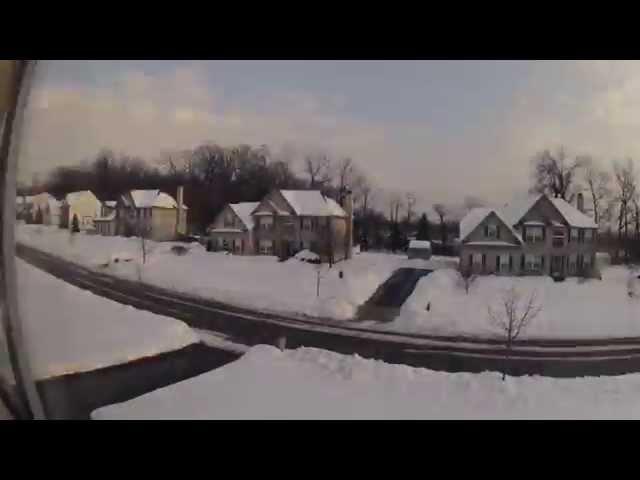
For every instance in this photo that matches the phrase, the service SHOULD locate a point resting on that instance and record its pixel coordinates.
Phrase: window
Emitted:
(558, 237)
(574, 234)
(533, 263)
(505, 263)
(491, 231)
(228, 221)
(580, 236)
(588, 235)
(306, 224)
(266, 247)
(573, 262)
(266, 223)
(477, 258)
(534, 234)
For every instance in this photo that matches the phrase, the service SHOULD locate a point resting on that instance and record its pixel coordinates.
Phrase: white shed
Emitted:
(419, 249)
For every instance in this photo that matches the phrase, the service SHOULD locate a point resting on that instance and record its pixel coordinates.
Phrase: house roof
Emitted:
(74, 196)
(312, 203)
(243, 211)
(512, 212)
(572, 215)
(110, 203)
(476, 215)
(153, 198)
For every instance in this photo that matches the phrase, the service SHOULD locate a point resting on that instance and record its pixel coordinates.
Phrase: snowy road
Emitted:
(552, 357)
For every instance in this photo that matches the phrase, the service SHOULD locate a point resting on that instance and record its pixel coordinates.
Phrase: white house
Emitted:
(46, 206)
(83, 205)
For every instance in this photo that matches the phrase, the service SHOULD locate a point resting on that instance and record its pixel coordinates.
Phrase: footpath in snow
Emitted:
(570, 309)
(260, 282)
(69, 330)
(310, 383)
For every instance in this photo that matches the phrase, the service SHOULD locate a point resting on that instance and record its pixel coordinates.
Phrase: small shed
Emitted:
(419, 249)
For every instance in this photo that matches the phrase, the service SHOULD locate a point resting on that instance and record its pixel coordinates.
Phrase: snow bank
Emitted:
(316, 384)
(573, 308)
(306, 255)
(70, 330)
(259, 282)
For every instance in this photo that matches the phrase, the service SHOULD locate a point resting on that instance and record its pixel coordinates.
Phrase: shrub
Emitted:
(179, 250)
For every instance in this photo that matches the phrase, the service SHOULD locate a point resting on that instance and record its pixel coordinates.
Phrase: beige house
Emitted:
(152, 213)
(84, 205)
(48, 207)
(536, 235)
(287, 221)
(232, 229)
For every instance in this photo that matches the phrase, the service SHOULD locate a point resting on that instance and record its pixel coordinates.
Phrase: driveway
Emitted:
(384, 305)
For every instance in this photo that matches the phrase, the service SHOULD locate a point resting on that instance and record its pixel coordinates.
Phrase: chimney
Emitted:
(180, 220)
(580, 202)
(347, 205)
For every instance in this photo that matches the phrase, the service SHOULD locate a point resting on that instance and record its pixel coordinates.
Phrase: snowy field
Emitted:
(259, 282)
(70, 330)
(316, 384)
(570, 309)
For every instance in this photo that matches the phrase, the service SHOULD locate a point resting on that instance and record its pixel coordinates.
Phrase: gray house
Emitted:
(536, 235)
(232, 229)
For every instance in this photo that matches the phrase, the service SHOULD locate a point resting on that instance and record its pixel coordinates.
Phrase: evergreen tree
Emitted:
(423, 228)
(75, 227)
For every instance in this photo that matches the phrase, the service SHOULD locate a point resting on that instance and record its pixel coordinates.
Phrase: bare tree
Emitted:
(626, 190)
(395, 203)
(318, 167)
(411, 201)
(361, 188)
(512, 317)
(441, 210)
(599, 184)
(471, 202)
(554, 173)
(346, 169)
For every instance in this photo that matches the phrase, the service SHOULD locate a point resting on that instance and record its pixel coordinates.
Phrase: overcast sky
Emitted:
(443, 129)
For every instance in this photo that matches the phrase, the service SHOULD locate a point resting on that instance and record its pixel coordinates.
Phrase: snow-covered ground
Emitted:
(259, 282)
(573, 308)
(316, 384)
(70, 330)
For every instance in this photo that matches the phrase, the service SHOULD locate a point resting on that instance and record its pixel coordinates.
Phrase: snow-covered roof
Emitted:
(514, 210)
(110, 203)
(75, 196)
(572, 215)
(153, 198)
(243, 211)
(420, 244)
(476, 215)
(20, 199)
(312, 203)
(472, 219)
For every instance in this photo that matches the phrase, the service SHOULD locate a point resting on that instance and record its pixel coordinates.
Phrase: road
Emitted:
(384, 305)
(561, 358)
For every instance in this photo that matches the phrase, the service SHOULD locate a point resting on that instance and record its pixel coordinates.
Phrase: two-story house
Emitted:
(152, 213)
(287, 221)
(232, 229)
(537, 235)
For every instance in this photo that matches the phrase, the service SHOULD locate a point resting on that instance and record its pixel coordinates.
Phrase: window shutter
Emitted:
(542, 262)
(484, 260)
(524, 233)
(486, 231)
(498, 232)
(301, 225)
(522, 261)
(569, 235)
(510, 263)
(497, 263)
(544, 232)
(470, 259)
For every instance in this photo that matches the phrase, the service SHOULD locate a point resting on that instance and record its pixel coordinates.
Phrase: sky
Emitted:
(440, 129)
